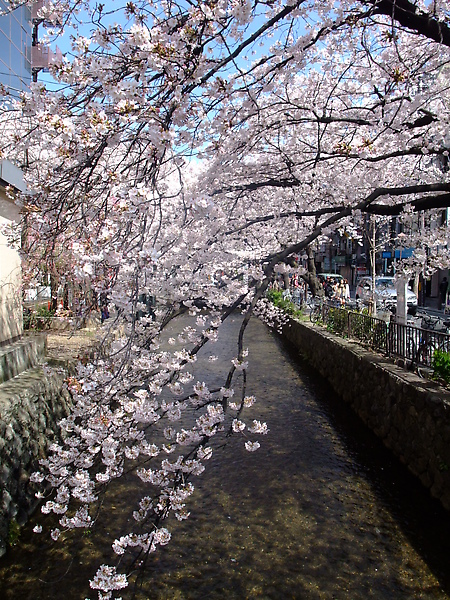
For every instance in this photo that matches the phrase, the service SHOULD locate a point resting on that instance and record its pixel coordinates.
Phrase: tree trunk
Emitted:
(311, 276)
(54, 293)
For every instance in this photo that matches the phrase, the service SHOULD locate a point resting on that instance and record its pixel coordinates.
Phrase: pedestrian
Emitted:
(341, 291)
(335, 292)
(346, 290)
(443, 287)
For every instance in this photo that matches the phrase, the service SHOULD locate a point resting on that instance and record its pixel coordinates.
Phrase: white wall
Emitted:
(11, 318)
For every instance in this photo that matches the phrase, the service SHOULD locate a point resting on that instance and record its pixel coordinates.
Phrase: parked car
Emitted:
(385, 293)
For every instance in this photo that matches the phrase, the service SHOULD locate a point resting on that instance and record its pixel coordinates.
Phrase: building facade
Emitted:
(16, 74)
(21, 59)
(16, 40)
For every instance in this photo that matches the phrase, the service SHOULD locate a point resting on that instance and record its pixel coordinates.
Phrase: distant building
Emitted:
(16, 31)
(21, 54)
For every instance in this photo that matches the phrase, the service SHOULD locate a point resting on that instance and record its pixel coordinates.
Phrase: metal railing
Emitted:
(354, 325)
(416, 345)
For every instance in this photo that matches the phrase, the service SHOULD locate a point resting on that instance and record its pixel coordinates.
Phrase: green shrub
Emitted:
(44, 311)
(37, 318)
(337, 321)
(276, 297)
(441, 365)
(362, 327)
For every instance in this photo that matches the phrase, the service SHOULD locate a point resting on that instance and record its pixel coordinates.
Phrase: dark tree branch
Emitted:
(409, 16)
(362, 206)
(426, 203)
(435, 201)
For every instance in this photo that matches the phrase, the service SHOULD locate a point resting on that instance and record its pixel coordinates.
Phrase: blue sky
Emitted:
(112, 14)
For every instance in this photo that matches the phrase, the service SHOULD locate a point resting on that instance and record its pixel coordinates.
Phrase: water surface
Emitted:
(321, 511)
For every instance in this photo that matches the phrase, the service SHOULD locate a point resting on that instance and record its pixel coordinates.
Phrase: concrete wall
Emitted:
(410, 415)
(21, 355)
(11, 318)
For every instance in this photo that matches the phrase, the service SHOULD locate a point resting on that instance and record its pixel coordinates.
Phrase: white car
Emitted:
(385, 293)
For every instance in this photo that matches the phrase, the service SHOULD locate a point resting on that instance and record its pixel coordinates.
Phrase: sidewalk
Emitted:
(433, 306)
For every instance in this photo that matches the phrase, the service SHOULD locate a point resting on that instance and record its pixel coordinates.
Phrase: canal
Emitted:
(321, 511)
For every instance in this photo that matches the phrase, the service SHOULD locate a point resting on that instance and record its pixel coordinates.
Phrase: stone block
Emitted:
(31, 404)
(410, 415)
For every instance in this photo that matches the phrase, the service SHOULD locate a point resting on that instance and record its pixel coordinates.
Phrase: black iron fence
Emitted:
(416, 345)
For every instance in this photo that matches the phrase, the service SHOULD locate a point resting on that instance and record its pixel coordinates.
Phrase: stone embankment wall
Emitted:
(410, 415)
(31, 404)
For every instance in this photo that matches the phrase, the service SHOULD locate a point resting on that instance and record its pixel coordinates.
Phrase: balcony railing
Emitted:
(42, 56)
(35, 7)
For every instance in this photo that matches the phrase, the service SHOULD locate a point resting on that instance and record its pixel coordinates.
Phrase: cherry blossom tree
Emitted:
(192, 150)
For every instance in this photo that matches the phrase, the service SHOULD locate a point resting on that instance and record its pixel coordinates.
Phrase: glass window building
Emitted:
(15, 49)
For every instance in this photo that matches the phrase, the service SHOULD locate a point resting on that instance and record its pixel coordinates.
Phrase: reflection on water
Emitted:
(321, 511)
